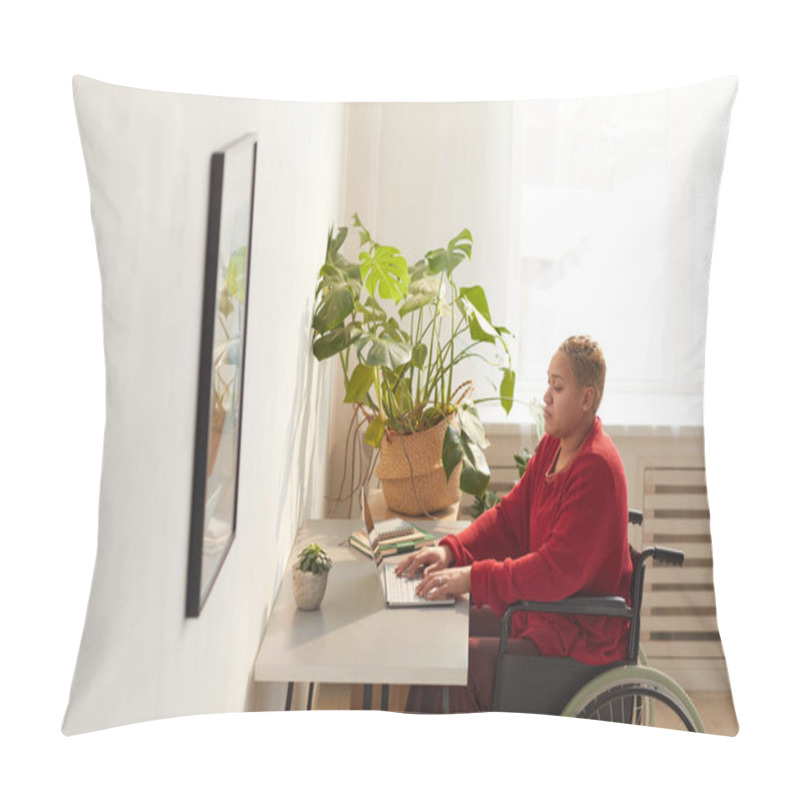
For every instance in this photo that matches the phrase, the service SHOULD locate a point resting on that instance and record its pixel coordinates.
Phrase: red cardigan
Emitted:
(553, 536)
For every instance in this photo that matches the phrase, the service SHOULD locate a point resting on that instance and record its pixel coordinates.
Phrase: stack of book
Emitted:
(391, 537)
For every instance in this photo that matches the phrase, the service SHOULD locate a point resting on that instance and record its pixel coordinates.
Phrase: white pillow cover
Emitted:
(147, 155)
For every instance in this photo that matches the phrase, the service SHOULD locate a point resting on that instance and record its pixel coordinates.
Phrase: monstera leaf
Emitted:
(459, 448)
(335, 305)
(423, 289)
(473, 304)
(383, 351)
(464, 445)
(385, 270)
(332, 342)
(507, 389)
(447, 259)
(357, 386)
(338, 288)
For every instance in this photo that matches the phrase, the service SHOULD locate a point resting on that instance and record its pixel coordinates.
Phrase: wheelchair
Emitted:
(629, 691)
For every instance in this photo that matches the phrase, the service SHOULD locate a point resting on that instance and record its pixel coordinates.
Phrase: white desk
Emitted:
(353, 637)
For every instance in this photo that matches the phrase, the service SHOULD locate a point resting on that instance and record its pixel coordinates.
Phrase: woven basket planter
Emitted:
(411, 473)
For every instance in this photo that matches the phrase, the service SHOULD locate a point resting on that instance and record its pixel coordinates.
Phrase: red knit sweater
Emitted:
(553, 536)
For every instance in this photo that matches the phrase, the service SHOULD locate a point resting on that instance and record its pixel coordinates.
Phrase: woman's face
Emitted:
(565, 404)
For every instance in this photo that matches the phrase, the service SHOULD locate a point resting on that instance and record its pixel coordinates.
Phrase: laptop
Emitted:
(399, 591)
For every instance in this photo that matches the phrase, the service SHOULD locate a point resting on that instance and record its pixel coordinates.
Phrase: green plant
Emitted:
(400, 333)
(313, 558)
(490, 498)
(521, 459)
(483, 502)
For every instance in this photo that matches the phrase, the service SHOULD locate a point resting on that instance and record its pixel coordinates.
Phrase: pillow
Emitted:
(148, 157)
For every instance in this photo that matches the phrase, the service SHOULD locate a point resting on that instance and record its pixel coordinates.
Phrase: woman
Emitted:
(562, 530)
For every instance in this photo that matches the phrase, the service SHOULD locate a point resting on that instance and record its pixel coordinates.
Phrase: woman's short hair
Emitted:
(588, 364)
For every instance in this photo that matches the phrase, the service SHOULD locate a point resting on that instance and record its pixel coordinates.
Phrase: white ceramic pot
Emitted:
(309, 589)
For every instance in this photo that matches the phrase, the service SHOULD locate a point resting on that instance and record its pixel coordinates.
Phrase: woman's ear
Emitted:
(588, 398)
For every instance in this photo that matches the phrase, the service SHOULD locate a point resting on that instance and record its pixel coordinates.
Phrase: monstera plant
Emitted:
(402, 334)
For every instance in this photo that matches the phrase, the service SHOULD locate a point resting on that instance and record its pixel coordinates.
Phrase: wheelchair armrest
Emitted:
(594, 606)
(605, 606)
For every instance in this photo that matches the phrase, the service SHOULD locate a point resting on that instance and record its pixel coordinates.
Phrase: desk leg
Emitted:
(367, 696)
(310, 696)
(384, 697)
(289, 691)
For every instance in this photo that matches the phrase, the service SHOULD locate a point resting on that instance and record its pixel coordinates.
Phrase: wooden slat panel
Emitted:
(694, 526)
(699, 663)
(690, 624)
(683, 575)
(679, 610)
(679, 625)
(676, 502)
(674, 477)
(678, 599)
(687, 650)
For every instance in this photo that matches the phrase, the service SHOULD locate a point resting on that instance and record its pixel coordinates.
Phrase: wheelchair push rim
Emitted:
(637, 692)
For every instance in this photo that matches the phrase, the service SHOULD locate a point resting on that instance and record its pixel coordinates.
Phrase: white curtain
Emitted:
(616, 216)
(419, 173)
(588, 216)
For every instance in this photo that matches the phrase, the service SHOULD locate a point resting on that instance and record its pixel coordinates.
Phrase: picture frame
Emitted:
(221, 367)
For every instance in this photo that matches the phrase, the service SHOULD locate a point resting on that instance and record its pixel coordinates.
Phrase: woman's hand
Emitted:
(444, 583)
(431, 559)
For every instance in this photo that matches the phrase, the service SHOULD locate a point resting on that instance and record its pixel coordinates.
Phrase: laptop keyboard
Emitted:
(401, 589)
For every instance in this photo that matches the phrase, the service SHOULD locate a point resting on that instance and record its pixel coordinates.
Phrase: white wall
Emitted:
(147, 156)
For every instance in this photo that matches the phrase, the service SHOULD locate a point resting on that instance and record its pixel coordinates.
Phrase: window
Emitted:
(607, 248)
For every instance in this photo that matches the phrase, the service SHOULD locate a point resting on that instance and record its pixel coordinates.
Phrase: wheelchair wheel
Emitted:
(649, 702)
(635, 695)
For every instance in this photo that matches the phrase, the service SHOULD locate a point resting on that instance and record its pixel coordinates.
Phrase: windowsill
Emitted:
(622, 415)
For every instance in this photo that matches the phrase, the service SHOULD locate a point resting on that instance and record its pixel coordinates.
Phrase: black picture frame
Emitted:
(218, 429)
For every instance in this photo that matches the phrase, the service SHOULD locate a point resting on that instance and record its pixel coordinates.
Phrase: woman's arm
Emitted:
(500, 532)
(573, 552)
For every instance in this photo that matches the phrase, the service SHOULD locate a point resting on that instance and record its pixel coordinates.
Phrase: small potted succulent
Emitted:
(310, 577)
